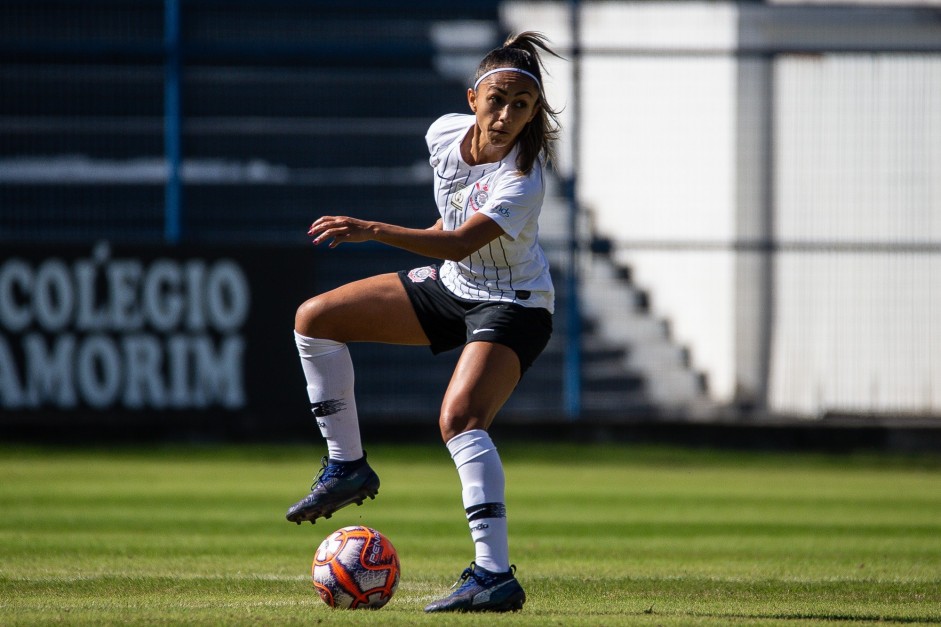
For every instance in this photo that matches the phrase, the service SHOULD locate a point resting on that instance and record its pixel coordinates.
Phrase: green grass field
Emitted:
(602, 535)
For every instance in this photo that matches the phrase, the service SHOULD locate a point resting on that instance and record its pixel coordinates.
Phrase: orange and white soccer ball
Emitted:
(356, 568)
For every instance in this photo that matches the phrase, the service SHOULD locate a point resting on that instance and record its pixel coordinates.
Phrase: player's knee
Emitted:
(310, 318)
(454, 421)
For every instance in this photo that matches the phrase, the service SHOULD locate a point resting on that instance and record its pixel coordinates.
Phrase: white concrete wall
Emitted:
(857, 162)
(657, 156)
(858, 157)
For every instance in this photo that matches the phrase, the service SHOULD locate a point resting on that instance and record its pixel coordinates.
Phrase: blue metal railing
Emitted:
(172, 126)
(572, 390)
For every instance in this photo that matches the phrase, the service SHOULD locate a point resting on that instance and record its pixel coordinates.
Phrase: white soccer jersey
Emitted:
(513, 267)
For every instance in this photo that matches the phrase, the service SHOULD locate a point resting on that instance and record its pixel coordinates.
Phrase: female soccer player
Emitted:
(492, 295)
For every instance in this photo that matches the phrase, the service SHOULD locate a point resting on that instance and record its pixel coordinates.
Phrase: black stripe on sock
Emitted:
(327, 408)
(486, 510)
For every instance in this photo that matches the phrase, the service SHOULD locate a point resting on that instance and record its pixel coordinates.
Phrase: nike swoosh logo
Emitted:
(476, 331)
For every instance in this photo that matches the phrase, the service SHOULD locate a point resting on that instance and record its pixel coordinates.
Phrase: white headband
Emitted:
(507, 69)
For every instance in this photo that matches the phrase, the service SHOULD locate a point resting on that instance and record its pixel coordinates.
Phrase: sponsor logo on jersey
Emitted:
(459, 197)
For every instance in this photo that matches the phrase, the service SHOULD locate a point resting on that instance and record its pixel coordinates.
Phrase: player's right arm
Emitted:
(431, 242)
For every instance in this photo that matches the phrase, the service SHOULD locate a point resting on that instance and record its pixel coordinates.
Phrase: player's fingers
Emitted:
(334, 232)
(321, 237)
(320, 224)
(336, 237)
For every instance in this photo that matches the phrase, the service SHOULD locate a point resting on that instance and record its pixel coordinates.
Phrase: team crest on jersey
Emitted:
(479, 196)
(420, 275)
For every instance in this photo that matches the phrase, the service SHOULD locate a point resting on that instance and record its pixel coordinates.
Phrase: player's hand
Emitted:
(339, 229)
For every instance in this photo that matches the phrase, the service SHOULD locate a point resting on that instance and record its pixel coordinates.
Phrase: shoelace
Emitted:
(469, 572)
(326, 472)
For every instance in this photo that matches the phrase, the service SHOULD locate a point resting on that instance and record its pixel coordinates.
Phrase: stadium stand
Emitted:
(289, 109)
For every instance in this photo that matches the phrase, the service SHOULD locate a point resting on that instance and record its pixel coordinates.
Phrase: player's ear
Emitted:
(472, 99)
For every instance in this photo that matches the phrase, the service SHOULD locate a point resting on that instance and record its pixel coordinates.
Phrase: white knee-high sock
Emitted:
(483, 482)
(329, 373)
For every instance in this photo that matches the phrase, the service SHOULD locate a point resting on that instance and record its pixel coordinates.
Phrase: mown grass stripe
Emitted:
(602, 535)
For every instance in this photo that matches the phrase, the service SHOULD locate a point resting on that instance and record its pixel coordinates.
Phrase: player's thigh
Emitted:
(484, 378)
(376, 309)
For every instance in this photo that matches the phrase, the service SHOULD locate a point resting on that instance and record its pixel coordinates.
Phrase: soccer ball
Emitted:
(356, 567)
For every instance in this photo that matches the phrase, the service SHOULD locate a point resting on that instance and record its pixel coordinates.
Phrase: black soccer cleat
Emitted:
(337, 485)
(483, 591)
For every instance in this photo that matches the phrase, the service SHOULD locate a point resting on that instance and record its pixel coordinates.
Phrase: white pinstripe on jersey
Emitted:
(513, 267)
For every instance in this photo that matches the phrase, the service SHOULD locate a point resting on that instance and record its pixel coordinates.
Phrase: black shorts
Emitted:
(450, 322)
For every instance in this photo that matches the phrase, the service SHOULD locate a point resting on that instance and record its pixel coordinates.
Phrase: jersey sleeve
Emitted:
(442, 133)
(516, 201)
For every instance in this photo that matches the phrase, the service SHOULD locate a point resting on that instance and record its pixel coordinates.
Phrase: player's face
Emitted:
(504, 104)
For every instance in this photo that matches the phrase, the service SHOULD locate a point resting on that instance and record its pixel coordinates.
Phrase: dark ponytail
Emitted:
(521, 51)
